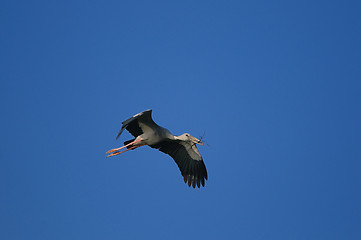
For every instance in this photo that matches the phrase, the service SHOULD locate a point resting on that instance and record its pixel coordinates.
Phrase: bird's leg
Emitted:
(134, 147)
(117, 149)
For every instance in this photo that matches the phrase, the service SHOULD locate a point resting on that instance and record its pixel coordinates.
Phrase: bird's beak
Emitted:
(197, 141)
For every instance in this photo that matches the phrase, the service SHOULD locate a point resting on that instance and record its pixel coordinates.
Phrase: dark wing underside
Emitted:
(193, 170)
(132, 124)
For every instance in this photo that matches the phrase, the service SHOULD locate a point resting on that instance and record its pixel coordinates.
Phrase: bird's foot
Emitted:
(115, 151)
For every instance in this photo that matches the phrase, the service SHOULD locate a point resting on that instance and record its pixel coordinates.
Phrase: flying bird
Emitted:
(181, 148)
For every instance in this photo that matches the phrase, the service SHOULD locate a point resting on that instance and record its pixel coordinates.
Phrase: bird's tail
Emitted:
(129, 141)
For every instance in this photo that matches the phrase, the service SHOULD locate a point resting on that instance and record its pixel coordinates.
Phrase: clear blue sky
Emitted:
(275, 86)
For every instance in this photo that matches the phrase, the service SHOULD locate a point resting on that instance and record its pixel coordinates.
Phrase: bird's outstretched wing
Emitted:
(188, 159)
(133, 126)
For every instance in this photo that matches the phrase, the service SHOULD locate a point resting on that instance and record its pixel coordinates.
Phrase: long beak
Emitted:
(197, 141)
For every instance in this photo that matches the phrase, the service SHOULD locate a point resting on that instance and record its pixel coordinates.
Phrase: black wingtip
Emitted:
(194, 181)
(120, 132)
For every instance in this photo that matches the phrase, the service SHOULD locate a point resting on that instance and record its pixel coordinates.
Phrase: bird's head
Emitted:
(188, 137)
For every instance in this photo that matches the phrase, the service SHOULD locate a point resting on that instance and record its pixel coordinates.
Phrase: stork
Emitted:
(181, 148)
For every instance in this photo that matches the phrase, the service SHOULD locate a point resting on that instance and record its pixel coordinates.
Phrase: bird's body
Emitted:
(181, 148)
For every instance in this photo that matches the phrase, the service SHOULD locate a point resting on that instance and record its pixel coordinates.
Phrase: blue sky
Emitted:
(274, 85)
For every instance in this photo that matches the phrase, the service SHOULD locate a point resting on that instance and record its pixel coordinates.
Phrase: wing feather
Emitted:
(132, 124)
(189, 161)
